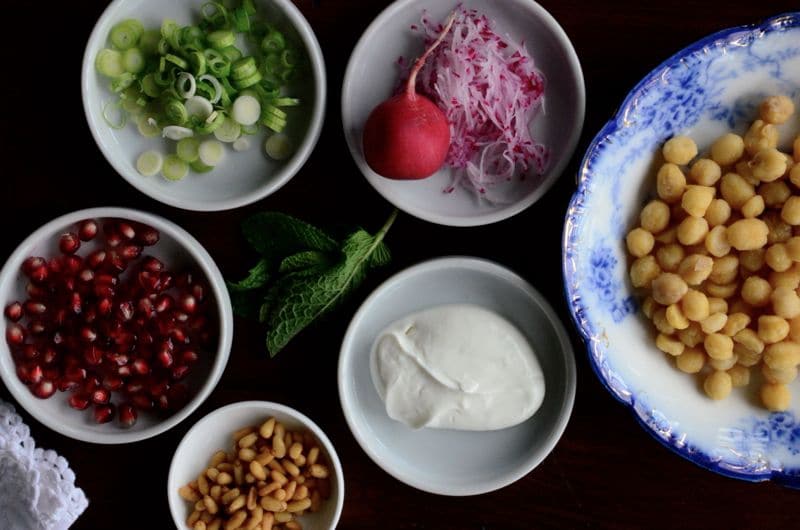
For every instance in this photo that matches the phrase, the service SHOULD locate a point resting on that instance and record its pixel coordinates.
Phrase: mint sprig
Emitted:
(303, 274)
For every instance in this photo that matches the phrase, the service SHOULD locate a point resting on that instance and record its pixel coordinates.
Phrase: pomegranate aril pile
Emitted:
(103, 321)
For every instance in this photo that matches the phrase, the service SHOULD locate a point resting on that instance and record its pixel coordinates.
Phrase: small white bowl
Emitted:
(372, 76)
(449, 462)
(177, 248)
(214, 432)
(242, 178)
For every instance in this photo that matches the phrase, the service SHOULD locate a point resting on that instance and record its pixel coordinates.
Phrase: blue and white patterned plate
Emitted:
(707, 89)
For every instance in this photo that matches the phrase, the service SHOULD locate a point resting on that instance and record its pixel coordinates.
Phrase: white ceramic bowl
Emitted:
(372, 76)
(242, 178)
(177, 248)
(214, 432)
(705, 90)
(450, 462)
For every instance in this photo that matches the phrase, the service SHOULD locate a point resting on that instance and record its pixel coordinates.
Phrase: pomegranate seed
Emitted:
(35, 292)
(179, 371)
(103, 413)
(198, 292)
(88, 334)
(119, 359)
(115, 261)
(142, 401)
(188, 303)
(141, 367)
(39, 274)
(151, 264)
(58, 338)
(74, 304)
(130, 252)
(13, 311)
(147, 236)
(34, 308)
(36, 327)
(69, 243)
(104, 306)
(44, 389)
(30, 352)
(78, 402)
(146, 338)
(163, 303)
(15, 335)
(178, 335)
(180, 316)
(159, 388)
(127, 415)
(72, 264)
(112, 382)
(189, 356)
(101, 396)
(29, 374)
(113, 238)
(75, 373)
(65, 385)
(95, 259)
(198, 323)
(126, 230)
(150, 282)
(134, 387)
(124, 371)
(87, 230)
(49, 355)
(103, 290)
(145, 307)
(162, 402)
(93, 355)
(90, 315)
(31, 264)
(55, 266)
(69, 284)
(86, 275)
(125, 311)
(165, 358)
(184, 280)
(92, 383)
(166, 280)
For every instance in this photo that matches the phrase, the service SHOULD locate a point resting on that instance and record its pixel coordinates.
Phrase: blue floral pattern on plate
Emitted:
(706, 89)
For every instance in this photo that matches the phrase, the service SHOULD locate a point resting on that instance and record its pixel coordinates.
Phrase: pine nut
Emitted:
(247, 455)
(216, 524)
(188, 494)
(227, 467)
(273, 505)
(237, 503)
(279, 431)
(202, 485)
(300, 460)
(258, 470)
(290, 488)
(278, 447)
(252, 502)
(218, 458)
(313, 455)
(267, 521)
(315, 501)
(278, 477)
(236, 520)
(318, 471)
(249, 478)
(212, 473)
(293, 525)
(211, 505)
(248, 440)
(301, 493)
(238, 473)
(267, 428)
(229, 496)
(283, 517)
(256, 516)
(241, 433)
(295, 450)
(200, 525)
(280, 495)
(275, 465)
(269, 488)
(291, 468)
(206, 517)
(193, 518)
(264, 457)
(216, 492)
(224, 478)
(199, 506)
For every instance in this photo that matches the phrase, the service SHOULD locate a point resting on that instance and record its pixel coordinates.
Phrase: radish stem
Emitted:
(412, 79)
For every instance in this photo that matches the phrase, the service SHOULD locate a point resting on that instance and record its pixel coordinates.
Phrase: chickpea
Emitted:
(735, 189)
(669, 345)
(743, 169)
(669, 288)
(777, 257)
(718, 385)
(718, 346)
(661, 323)
(796, 149)
(749, 339)
(794, 175)
(705, 172)
(696, 199)
(714, 323)
(728, 149)
(693, 230)
(761, 135)
(694, 305)
(746, 357)
(718, 212)
(779, 230)
(716, 242)
(793, 248)
(679, 150)
(724, 269)
(649, 307)
(692, 336)
(736, 323)
(782, 355)
(791, 210)
(776, 397)
(695, 269)
(772, 328)
(739, 306)
(740, 376)
(753, 207)
(691, 360)
(785, 303)
(794, 329)
(670, 183)
(721, 291)
(655, 216)
(670, 256)
(723, 365)
(768, 165)
(640, 242)
(643, 271)
(747, 234)
(717, 305)
(784, 377)
(668, 236)
(776, 109)
(774, 193)
(676, 318)
(789, 278)
(756, 291)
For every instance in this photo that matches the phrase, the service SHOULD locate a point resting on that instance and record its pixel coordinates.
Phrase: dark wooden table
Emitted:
(605, 473)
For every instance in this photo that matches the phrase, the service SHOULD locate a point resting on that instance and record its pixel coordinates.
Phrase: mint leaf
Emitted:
(277, 235)
(302, 299)
(308, 260)
(257, 278)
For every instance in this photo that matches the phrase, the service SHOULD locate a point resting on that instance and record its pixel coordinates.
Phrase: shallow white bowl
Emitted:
(214, 432)
(176, 248)
(372, 75)
(242, 178)
(450, 462)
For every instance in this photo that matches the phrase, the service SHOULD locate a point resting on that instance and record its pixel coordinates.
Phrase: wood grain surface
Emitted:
(606, 472)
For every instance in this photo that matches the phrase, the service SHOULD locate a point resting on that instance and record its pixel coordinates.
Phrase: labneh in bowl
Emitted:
(710, 88)
(445, 461)
(373, 75)
(242, 177)
(179, 252)
(215, 433)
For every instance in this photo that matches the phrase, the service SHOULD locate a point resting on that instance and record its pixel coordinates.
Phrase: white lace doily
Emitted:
(37, 487)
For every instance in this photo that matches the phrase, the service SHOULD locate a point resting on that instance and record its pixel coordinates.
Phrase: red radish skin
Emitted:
(407, 137)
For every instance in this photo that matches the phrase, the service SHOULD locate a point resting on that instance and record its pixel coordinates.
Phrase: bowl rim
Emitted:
(483, 266)
(576, 211)
(202, 260)
(278, 179)
(554, 173)
(269, 407)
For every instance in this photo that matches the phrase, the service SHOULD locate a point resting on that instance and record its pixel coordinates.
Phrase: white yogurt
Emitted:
(456, 367)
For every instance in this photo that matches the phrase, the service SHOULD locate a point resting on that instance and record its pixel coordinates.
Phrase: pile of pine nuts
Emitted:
(269, 478)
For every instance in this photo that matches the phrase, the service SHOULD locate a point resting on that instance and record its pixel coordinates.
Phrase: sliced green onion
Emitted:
(215, 14)
(190, 35)
(249, 7)
(246, 110)
(177, 61)
(211, 124)
(288, 59)
(271, 110)
(126, 34)
(241, 20)
(273, 42)
(123, 82)
(285, 102)
(147, 126)
(232, 53)
(164, 78)
(185, 85)
(133, 60)
(241, 144)
(218, 90)
(228, 132)
(176, 132)
(272, 62)
(250, 129)
(130, 101)
(197, 61)
(149, 42)
(187, 149)
(174, 168)
(211, 152)
(287, 75)
(163, 46)
(109, 63)
(247, 82)
(122, 118)
(221, 39)
(243, 68)
(149, 163)
(216, 63)
(278, 147)
(199, 167)
(176, 112)
(168, 28)
(266, 94)
(274, 123)
(199, 106)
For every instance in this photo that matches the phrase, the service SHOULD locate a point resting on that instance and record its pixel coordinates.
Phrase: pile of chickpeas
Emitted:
(718, 253)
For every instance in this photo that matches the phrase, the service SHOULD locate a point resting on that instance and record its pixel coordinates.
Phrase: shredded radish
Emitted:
(490, 91)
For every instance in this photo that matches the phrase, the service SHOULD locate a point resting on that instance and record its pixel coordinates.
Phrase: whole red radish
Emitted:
(407, 136)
